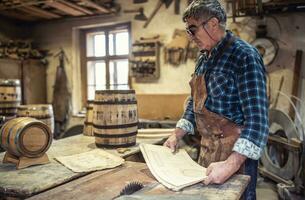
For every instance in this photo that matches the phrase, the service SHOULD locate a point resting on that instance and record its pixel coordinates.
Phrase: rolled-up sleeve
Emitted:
(187, 122)
(251, 84)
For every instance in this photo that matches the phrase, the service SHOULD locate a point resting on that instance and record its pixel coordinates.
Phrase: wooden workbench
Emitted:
(29, 181)
(54, 181)
(107, 184)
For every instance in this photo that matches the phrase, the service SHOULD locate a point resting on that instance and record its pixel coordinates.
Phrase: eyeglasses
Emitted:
(192, 29)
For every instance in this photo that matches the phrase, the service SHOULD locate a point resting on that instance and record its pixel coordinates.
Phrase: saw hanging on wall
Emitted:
(140, 16)
(167, 3)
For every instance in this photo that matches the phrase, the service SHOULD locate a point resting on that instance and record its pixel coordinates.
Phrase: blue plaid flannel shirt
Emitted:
(236, 86)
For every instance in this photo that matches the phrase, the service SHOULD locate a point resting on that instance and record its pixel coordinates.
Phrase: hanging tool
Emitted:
(61, 95)
(177, 7)
(158, 6)
(140, 16)
(150, 38)
(139, 1)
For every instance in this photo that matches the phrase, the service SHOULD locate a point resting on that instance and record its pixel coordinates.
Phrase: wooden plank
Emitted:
(108, 184)
(96, 6)
(35, 83)
(29, 181)
(65, 8)
(18, 15)
(155, 132)
(21, 4)
(77, 7)
(100, 185)
(231, 189)
(161, 106)
(35, 11)
(296, 81)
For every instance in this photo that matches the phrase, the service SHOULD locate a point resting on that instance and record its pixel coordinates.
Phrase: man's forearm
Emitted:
(179, 132)
(236, 160)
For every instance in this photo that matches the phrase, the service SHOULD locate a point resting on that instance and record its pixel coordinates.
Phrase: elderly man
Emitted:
(229, 105)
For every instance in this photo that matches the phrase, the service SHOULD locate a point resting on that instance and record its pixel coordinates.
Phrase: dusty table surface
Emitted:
(108, 184)
(29, 181)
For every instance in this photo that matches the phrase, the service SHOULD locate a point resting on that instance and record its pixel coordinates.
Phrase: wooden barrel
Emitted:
(88, 124)
(3, 120)
(26, 137)
(115, 118)
(10, 97)
(42, 112)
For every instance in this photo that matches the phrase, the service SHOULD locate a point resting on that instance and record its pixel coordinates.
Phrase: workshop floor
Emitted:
(266, 189)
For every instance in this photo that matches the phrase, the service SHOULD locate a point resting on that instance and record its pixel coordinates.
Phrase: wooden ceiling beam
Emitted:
(32, 10)
(95, 5)
(65, 8)
(19, 16)
(21, 4)
(77, 7)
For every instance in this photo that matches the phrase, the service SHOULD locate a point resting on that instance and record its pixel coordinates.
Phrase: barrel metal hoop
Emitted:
(8, 102)
(115, 135)
(10, 85)
(6, 108)
(8, 114)
(88, 123)
(115, 126)
(115, 102)
(115, 92)
(115, 145)
(44, 117)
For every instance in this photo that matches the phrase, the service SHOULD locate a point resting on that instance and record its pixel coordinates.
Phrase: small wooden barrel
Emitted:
(42, 112)
(88, 124)
(26, 137)
(3, 120)
(115, 118)
(10, 97)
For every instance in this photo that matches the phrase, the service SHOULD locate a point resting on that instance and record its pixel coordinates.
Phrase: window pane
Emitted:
(111, 50)
(122, 68)
(99, 45)
(121, 43)
(112, 76)
(90, 73)
(100, 75)
(118, 70)
(91, 92)
(90, 45)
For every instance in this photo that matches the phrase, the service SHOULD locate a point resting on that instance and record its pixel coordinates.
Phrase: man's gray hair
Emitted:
(204, 10)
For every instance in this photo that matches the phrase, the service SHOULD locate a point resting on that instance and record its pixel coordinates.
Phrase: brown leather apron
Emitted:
(218, 133)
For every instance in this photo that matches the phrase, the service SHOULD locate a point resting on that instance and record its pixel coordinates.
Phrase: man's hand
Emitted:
(219, 172)
(172, 141)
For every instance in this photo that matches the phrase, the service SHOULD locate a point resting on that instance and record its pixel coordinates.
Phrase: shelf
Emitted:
(144, 53)
(145, 61)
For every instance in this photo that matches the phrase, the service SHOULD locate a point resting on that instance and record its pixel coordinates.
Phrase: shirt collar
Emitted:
(221, 44)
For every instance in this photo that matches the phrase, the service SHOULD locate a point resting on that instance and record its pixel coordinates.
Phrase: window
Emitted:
(106, 59)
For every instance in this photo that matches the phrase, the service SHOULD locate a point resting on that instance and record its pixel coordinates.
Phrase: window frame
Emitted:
(107, 58)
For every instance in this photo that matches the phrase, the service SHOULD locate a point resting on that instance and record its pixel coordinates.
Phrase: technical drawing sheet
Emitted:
(175, 171)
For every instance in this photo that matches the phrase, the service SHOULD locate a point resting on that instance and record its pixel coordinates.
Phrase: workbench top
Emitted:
(107, 185)
(32, 180)
(54, 181)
